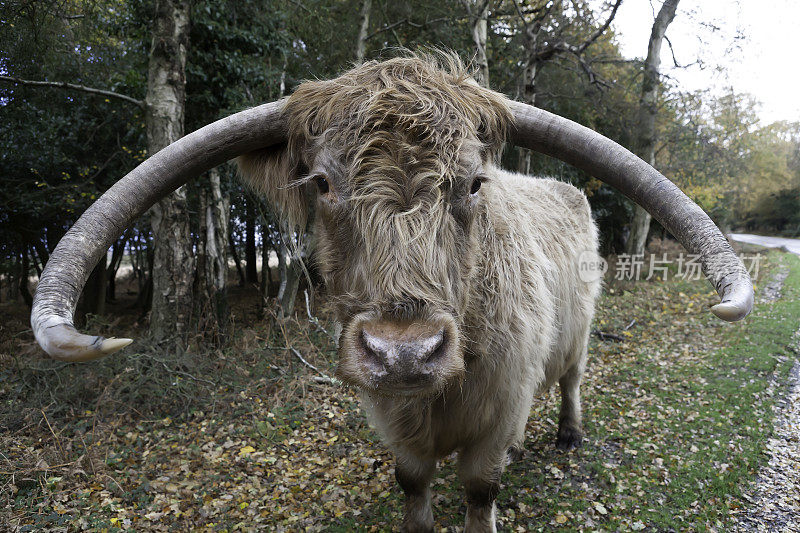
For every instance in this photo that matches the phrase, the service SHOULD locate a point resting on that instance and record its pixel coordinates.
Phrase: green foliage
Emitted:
(59, 150)
(733, 167)
(235, 58)
(243, 53)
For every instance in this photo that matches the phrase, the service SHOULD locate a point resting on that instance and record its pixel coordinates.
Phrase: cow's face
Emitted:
(395, 155)
(395, 246)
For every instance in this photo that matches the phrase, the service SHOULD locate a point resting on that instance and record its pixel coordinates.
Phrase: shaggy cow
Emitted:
(459, 293)
(457, 284)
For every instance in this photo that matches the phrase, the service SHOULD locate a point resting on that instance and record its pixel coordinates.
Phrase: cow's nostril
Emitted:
(431, 348)
(375, 348)
(402, 351)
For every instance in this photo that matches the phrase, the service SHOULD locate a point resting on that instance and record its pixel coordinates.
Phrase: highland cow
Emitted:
(457, 284)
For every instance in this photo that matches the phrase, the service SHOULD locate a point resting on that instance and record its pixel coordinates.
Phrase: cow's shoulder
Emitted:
(542, 195)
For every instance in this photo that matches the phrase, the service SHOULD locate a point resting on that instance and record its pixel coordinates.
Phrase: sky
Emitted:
(749, 45)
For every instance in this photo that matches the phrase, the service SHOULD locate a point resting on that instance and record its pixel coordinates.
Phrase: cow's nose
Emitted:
(402, 353)
(390, 356)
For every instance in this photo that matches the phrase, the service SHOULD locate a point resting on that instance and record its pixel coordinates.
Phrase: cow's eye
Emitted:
(476, 185)
(322, 184)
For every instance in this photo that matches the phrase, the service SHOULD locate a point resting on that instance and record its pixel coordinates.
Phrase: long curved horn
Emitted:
(84, 244)
(601, 157)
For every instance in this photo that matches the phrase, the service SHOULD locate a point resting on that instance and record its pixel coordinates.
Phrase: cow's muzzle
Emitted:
(400, 357)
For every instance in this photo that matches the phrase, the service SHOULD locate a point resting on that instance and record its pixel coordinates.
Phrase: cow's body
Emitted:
(528, 324)
(457, 284)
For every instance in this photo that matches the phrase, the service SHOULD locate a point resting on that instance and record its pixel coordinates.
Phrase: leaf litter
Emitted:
(664, 450)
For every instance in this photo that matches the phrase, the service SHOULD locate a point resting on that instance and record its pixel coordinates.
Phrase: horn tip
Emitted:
(112, 345)
(730, 312)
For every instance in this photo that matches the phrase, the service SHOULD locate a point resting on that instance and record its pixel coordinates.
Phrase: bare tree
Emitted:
(645, 139)
(174, 264)
(478, 12)
(540, 50)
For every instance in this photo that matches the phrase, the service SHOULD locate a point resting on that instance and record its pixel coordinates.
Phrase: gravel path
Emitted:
(775, 497)
(772, 290)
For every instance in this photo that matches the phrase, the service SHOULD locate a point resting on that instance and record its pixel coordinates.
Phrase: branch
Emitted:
(393, 25)
(314, 320)
(389, 28)
(601, 29)
(72, 86)
(386, 18)
(480, 6)
(603, 336)
(540, 14)
(521, 16)
(594, 79)
(562, 46)
(672, 50)
(325, 377)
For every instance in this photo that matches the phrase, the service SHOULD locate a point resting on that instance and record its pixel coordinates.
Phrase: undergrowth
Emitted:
(676, 416)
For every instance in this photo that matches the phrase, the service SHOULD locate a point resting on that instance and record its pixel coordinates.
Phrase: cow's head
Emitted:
(394, 155)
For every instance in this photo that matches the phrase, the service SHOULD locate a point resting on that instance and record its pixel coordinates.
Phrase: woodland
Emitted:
(234, 369)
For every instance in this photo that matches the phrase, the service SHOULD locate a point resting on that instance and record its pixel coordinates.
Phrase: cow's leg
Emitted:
(480, 468)
(414, 477)
(570, 432)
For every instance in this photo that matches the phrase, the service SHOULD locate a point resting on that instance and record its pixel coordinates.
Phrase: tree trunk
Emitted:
(283, 252)
(479, 20)
(25, 269)
(36, 265)
(54, 234)
(250, 252)
(174, 264)
(93, 300)
(363, 29)
(289, 269)
(645, 139)
(41, 251)
(117, 252)
(528, 92)
(140, 259)
(289, 287)
(290, 280)
(266, 271)
(213, 312)
(145, 299)
(235, 256)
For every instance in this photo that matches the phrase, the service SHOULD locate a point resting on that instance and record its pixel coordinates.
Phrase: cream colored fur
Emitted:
(527, 323)
(400, 236)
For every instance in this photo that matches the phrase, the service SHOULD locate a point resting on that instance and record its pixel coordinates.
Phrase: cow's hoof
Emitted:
(418, 521)
(569, 438)
(417, 528)
(514, 454)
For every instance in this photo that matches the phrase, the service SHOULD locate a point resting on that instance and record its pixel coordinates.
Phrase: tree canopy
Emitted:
(62, 146)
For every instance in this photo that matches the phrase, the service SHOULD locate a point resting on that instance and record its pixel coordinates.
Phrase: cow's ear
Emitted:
(273, 173)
